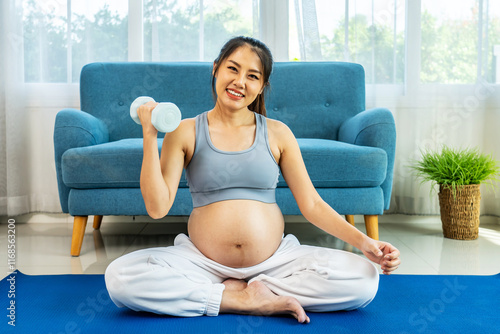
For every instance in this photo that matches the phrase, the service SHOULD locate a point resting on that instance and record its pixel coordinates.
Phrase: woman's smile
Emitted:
(235, 94)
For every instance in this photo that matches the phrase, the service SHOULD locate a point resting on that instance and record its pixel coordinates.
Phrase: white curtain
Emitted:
(428, 115)
(307, 30)
(463, 117)
(14, 138)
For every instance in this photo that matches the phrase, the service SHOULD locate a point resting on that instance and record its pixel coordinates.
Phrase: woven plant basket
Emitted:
(460, 212)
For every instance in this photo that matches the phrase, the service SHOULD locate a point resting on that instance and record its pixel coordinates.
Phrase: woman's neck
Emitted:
(232, 117)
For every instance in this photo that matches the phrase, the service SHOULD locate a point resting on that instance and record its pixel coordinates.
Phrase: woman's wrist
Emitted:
(149, 132)
(358, 239)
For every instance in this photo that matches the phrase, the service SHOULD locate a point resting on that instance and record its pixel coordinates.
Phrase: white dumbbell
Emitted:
(165, 117)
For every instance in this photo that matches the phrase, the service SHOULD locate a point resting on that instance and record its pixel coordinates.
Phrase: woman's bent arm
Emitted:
(160, 178)
(318, 212)
(153, 187)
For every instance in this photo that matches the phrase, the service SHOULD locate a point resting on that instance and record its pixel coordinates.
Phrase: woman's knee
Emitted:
(114, 283)
(367, 286)
(123, 277)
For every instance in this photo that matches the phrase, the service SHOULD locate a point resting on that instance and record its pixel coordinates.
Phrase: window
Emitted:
(60, 36)
(458, 41)
(368, 32)
(44, 32)
(180, 31)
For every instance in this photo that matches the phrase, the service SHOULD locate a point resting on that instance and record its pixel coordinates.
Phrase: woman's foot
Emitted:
(256, 298)
(235, 284)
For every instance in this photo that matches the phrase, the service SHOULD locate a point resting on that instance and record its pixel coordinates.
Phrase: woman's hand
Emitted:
(144, 112)
(382, 253)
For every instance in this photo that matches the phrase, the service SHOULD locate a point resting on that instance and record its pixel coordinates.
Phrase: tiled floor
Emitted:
(43, 248)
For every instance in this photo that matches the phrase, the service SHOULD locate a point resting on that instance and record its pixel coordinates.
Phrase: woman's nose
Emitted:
(239, 80)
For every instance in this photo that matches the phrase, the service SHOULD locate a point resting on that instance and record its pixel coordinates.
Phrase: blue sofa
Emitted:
(348, 151)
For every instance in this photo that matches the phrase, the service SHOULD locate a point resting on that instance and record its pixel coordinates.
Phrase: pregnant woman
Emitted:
(236, 258)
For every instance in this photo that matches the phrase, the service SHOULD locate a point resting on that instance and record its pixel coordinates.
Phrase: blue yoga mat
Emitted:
(404, 304)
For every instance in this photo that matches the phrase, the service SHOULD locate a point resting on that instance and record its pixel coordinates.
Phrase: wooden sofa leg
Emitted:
(350, 219)
(371, 223)
(97, 222)
(79, 225)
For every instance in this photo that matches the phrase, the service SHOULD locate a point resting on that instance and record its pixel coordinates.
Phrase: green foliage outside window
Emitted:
(449, 49)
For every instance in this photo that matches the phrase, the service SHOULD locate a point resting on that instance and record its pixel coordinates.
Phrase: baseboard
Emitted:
(397, 218)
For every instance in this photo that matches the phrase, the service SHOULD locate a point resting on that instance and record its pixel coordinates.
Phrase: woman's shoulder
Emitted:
(188, 121)
(184, 134)
(278, 128)
(186, 125)
(187, 128)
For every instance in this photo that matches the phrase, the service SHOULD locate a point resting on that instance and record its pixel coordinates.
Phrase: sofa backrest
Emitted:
(312, 98)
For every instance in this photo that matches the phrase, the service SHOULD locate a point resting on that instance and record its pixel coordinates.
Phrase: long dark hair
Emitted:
(266, 58)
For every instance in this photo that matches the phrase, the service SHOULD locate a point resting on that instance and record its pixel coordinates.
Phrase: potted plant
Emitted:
(459, 174)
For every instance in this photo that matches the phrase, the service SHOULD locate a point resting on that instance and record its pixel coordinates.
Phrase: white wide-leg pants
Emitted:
(179, 280)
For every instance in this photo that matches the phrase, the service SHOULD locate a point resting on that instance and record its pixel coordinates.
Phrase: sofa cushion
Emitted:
(329, 164)
(336, 164)
(115, 164)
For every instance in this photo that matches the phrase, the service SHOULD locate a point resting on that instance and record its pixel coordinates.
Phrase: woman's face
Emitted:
(239, 79)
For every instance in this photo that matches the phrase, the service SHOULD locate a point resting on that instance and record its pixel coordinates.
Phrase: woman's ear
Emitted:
(264, 87)
(213, 69)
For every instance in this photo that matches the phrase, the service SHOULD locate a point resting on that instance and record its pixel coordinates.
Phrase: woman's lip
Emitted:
(229, 90)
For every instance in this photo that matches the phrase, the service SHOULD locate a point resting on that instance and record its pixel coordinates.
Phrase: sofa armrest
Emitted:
(375, 128)
(74, 128)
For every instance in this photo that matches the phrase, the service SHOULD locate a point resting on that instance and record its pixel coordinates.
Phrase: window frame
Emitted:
(273, 30)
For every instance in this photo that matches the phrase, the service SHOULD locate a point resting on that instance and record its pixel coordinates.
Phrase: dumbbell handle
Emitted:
(165, 117)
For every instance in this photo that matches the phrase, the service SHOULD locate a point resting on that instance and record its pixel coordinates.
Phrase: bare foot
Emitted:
(235, 284)
(257, 299)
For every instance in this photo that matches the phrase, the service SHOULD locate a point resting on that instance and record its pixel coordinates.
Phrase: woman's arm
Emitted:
(160, 179)
(318, 212)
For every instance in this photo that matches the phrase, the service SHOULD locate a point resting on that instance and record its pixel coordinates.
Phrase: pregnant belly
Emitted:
(237, 233)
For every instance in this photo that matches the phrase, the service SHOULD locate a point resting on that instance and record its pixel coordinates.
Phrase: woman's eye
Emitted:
(232, 68)
(254, 77)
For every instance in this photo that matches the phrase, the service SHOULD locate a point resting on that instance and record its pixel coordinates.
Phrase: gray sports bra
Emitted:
(214, 175)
